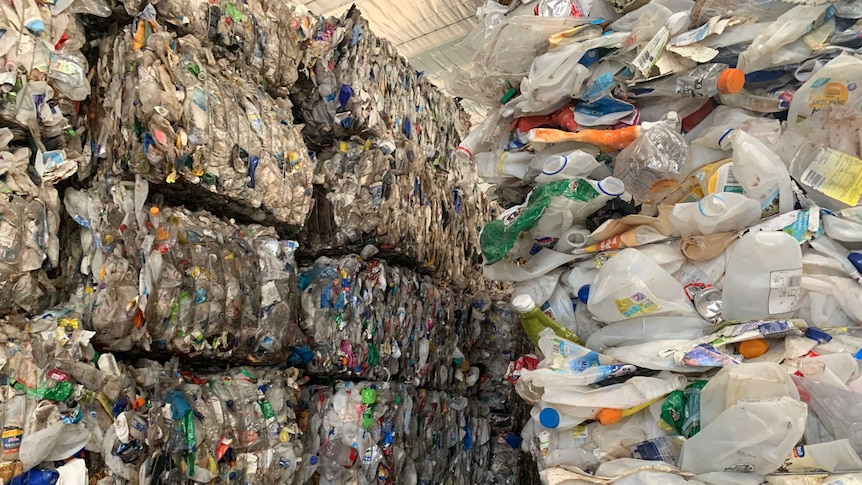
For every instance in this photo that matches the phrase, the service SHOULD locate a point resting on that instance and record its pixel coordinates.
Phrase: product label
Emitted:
(636, 305)
(723, 180)
(837, 175)
(12, 440)
(269, 294)
(8, 233)
(785, 288)
(581, 431)
(600, 87)
(826, 92)
(647, 57)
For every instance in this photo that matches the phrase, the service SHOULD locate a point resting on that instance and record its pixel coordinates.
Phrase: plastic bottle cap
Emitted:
(549, 418)
(608, 416)
(555, 165)
(523, 303)
(36, 26)
(368, 395)
(816, 334)
(858, 355)
(753, 348)
(731, 81)
(712, 206)
(312, 460)
(462, 153)
(677, 23)
(154, 211)
(584, 293)
(856, 260)
(612, 186)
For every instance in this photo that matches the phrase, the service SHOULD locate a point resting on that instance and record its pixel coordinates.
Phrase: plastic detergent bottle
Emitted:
(535, 321)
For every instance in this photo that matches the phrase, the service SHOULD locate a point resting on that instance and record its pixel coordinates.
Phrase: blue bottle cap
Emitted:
(856, 260)
(312, 460)
(819, 335)
(858, 355)
(584, 293)
(549, 418)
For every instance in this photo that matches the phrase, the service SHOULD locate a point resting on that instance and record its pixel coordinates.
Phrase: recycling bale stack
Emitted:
(386, 193)
(199, 126)
(44, 81)
(165, 279)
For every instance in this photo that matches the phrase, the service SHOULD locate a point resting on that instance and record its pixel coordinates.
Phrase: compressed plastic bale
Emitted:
(368, 193)
(413, 433)
(182, 119)
(357, 83)
(170, 280)
(49, 414)
(237, 422)
(265, 37)
(29, 225)
(45, 75)
(374, 320)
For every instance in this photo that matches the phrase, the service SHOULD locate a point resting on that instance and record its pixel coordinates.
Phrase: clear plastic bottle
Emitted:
(704, 81)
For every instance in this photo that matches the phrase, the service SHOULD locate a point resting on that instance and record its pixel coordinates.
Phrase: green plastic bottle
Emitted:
(535, 321)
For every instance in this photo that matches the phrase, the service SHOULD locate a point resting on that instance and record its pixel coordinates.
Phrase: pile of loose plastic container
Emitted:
(682, 183)
(146, 251)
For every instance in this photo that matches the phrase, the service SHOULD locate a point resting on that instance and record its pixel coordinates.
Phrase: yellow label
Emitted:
(832, 93)
(837, 175)
(636, 305)
(162, 234)
(342, 146)
(68, 323)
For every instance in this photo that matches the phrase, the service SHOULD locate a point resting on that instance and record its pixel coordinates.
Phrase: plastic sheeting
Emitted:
(173, 113)
(168, 279)
(383, 193)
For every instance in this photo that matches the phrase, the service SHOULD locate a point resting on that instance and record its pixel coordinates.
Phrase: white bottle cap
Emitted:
(523, 303)
(612, 186)
(677, 23)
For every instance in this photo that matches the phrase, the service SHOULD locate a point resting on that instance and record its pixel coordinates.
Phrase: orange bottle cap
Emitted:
(731, 81)
(154, 210)
(608, 416)
(753, 348)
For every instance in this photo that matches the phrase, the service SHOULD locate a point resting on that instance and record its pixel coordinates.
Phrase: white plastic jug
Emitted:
(760, 171)
(753, 437)
(724, 212)
(550, 418)
(630, 285)
(763, 278)
(744, 382)
(565, 166)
